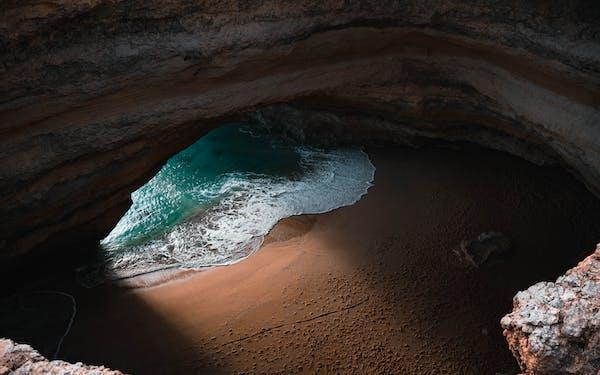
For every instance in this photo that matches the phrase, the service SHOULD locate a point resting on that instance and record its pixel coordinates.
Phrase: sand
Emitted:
(371, 288)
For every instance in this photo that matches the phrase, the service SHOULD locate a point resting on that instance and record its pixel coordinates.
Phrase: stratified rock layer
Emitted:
(477, 251)
(96, 95)
(21, 359)
(554, 328)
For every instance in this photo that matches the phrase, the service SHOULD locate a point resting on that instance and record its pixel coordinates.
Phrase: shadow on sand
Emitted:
(442, 313)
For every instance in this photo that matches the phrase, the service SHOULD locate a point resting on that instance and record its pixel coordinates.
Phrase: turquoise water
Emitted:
(212, 203)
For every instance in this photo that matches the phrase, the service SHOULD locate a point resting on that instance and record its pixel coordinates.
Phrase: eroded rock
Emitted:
(21, 359)
(96, 95)
(554, 328)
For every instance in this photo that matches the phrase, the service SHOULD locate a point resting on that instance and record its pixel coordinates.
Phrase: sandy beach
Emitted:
(371, 288)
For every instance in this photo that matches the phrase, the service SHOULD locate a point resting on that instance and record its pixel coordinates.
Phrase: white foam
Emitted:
(235, 227)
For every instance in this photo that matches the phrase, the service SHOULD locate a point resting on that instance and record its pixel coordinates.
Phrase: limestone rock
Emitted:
(554, 328)
(21, 359)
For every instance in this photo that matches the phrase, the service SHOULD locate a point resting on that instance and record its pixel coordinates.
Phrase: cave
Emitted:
(479, 118)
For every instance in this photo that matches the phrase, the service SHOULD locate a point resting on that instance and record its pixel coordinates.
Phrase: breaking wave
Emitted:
(213, 203)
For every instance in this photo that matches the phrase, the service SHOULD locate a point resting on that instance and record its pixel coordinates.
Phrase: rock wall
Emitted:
(95, 95)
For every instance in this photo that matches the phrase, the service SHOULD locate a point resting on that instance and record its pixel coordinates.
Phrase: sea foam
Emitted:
(218, 217)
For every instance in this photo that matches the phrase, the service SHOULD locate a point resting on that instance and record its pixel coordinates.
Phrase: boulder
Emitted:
(20, 359)
(554, 328)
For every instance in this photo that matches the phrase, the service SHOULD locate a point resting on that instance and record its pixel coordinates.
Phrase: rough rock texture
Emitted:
(554, 328)
(23, 359)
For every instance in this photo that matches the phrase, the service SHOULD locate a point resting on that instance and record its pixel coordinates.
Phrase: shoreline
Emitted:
(246, 203)
(372, 287)
(280, 232)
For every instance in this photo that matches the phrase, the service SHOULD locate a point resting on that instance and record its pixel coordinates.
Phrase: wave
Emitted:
(230, 213)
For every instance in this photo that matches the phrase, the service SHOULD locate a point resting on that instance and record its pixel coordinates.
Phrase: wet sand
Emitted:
(370, 288)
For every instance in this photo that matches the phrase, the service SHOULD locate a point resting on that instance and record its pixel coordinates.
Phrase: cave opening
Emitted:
(214, 202)
(382, 255)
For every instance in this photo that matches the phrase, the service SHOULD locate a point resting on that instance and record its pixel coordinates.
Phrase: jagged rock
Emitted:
(554, 328)
(479, 250)
(21, 359)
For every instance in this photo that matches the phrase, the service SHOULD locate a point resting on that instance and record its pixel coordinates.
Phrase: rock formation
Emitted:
(554, 328)
(96, 95)
(20, 359)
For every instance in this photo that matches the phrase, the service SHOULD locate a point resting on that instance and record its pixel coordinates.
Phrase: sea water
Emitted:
(213, 203)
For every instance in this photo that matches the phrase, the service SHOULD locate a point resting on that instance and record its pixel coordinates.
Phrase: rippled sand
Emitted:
(370, 288)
